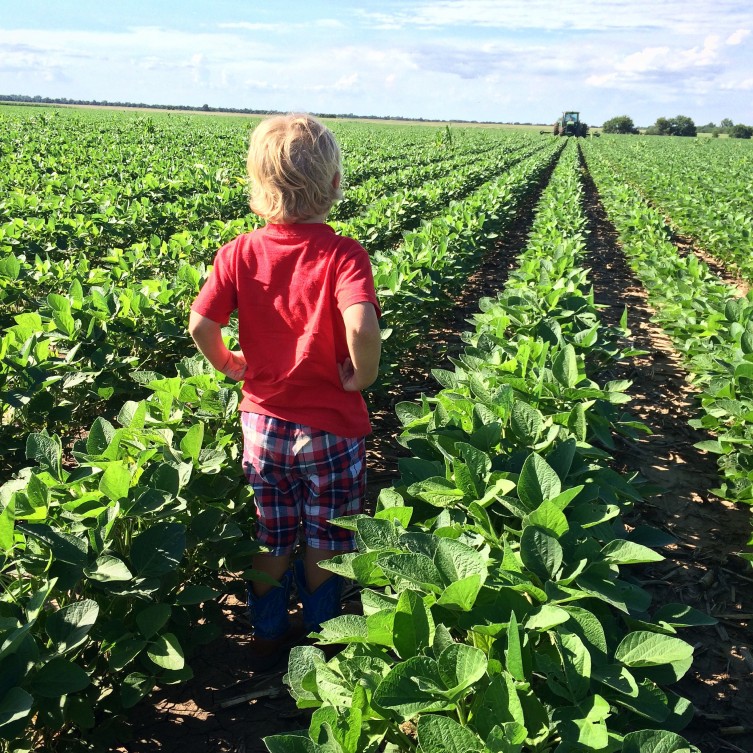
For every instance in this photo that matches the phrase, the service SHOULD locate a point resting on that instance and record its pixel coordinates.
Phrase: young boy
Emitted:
(310, 341)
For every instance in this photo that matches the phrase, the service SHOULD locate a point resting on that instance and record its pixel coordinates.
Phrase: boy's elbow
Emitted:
(198, 324)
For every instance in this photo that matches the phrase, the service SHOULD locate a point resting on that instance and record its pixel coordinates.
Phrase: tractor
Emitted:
(570, 124)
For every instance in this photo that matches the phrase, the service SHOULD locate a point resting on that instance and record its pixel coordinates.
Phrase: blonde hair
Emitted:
(292, 163)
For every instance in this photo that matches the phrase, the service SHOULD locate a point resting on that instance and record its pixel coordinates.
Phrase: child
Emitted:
(310, 341)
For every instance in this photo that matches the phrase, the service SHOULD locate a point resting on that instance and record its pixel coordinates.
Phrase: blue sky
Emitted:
(446, 59)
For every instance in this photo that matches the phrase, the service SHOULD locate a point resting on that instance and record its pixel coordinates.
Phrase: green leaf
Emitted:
(133, 415)
(125, 650)
(45, 450)
(166, 652)
(440, 733)
(70, 626)
(380, 627)
(456, 560)
(7, 527)
(549, 517)
(461, 594)
(58, 677)
(547, 617)
(159, 549)
(399, 691)
(107, 568)
(621, 552)
(526, 422)
(565, 367)
(115, 481)
(100, 434)
(302, 665)
(376, 534)
(437, 491)
(541, 552)
(400, 514)
(506, 738)
(196, 594)
(192, 440)
(135, 687)
(656, 741)
(537, 482)
(15, 705)
(645, 649)
(413, 627)
(460, 666)
(150, 619)
(292, 744)
(577, 423)
(498, 703)
(583, 727)
(347, 628)
(65, 547)
(576, 662)
(681, 615)
(10, 267)
(414, 568)
(514, 653)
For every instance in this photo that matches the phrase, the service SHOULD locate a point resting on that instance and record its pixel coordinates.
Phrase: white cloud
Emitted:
(738, 37)
(283, 26)
(745, 84)
(569, 15)
(250, 26)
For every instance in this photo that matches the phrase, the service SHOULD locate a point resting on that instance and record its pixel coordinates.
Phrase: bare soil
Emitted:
(702, 569)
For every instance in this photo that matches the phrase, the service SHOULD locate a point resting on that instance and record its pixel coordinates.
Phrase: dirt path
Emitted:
(702, 569)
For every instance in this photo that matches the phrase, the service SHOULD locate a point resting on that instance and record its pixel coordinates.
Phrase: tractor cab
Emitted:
(570, 124)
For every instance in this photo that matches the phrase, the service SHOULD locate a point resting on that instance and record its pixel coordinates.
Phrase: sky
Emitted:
(486, 60)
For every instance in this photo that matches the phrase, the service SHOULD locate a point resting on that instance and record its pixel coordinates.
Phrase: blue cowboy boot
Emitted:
(272, 635)
(320, 605)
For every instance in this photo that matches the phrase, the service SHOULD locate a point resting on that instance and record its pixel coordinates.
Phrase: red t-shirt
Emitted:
(290, 284)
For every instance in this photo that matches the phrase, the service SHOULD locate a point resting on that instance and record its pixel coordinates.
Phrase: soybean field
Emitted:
(558, 546)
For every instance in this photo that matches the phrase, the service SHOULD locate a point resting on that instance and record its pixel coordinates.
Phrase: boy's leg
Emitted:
(316, 575)
(270, 564)
(334, 472)
(268, 465)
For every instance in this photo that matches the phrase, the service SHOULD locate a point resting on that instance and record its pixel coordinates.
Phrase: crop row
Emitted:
(70, 186)
(710, 325)
(706, 191)
(498, 613)
(358, 197)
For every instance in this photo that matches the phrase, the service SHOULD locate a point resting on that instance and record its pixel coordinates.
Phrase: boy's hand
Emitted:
(235, 366)
(348, 376)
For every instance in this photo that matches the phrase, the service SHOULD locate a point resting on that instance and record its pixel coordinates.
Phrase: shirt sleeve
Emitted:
(355, 280)
(218, 297)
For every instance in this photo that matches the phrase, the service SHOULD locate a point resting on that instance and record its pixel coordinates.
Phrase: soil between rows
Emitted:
(701, 570)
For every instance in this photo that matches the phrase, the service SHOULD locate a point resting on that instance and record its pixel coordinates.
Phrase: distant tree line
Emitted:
(38, 100)
(680, 125)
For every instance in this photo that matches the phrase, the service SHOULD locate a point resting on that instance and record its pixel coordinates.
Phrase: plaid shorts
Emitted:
(303, 476)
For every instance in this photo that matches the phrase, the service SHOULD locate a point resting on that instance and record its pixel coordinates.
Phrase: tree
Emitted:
(619, 124)
(740, 131)
(662, 127)
(726, 123)
(682, 125)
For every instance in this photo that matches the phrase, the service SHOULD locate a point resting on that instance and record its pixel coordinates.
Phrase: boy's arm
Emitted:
(207, 335)
(364, 347)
